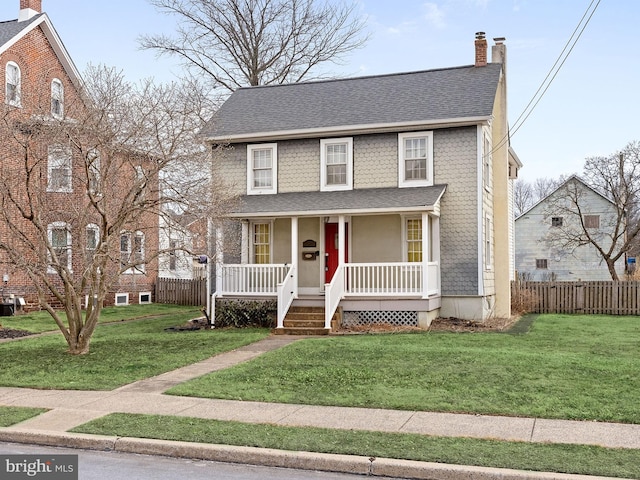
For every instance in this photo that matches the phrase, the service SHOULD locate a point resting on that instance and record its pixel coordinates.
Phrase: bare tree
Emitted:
(613, 231)
(236, 43)
(523, 198)
(71, 186)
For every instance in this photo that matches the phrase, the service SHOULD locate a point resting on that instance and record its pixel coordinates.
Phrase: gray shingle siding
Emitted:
(455, 163)
(431, 95)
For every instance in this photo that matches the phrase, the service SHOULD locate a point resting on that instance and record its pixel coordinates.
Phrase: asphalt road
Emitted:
(95, 465)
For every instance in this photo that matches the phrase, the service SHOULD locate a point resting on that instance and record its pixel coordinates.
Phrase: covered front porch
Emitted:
(366, 260)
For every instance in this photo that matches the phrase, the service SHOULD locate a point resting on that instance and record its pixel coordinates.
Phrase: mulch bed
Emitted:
(11, 333)
(452, 324)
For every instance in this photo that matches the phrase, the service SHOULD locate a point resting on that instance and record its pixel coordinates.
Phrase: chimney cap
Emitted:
(480, 35)
(499, 40)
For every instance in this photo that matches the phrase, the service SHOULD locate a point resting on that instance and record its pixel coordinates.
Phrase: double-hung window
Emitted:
(93, 170)
(413, 238)
(336, 159)
(487, 159)
(132, 252)
(261, 243)
(60, 240)
(92, 240)
(12, 81)
(262, 169)
(415, 159)
(59, 169)
(57, 98)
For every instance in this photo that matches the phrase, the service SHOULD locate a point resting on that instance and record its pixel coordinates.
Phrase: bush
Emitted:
(246, 313)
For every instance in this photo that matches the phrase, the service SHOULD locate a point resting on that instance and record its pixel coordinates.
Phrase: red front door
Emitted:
(331, 249)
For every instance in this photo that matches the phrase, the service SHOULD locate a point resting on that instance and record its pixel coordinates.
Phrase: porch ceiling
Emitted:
(360, 201)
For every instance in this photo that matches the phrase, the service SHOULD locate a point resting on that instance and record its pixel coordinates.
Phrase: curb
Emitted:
(324, 462)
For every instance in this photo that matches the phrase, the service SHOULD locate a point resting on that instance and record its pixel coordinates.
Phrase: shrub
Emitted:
(246, 313)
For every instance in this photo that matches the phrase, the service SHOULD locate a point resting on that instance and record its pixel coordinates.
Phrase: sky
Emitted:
(589, 109)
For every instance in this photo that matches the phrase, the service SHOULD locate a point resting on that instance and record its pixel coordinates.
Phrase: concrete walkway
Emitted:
(68, 409)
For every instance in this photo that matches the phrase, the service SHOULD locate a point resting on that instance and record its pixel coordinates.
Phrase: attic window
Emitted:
(556, 221)
(57, 98)
(592, 221)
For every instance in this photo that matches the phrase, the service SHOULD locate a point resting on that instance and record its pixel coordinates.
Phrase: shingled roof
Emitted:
(11, 28)
(429, 96)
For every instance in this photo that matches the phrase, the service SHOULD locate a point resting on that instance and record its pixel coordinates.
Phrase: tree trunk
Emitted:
(612, 269)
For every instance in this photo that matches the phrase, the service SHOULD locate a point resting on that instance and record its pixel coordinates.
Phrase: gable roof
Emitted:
(572, 178)
(376, 103)
(12, 31)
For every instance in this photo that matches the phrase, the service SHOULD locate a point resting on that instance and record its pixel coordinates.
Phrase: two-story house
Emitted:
(550, 239)
(41, 90)
(386, 198)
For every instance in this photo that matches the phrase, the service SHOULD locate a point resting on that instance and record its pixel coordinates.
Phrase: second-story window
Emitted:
(262, 168)
(59, 169)
(57, 98)
(60, 240)
(415, 159)
(12, 80)
(336, 158)
(93, 238)
(132, 252)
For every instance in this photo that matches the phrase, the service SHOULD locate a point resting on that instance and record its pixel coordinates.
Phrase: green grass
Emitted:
(576, 459)
(572, 367)
(12, 415)
(120, 353)
(39, 322)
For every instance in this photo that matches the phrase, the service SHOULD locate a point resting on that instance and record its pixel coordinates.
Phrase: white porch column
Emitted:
(294, 253)
(219, 257)
(435, 247)
(341, 241)
(425, 253)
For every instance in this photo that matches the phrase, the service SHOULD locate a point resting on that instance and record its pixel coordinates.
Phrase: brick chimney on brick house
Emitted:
(29, 9)
(481, 50)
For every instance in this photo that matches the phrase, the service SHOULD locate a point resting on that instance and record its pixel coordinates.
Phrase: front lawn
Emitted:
(12, 415)
(120, 353)
(571, 367)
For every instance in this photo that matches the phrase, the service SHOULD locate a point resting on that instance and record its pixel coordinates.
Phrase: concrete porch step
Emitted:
(304, 321)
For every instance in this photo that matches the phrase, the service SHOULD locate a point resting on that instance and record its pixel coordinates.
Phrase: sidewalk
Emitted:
(69, 409)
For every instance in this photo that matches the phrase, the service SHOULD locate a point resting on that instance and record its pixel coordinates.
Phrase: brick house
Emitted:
(40, 86)
(384, 198)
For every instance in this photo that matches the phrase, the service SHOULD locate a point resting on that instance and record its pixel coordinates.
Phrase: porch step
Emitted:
(305, 321)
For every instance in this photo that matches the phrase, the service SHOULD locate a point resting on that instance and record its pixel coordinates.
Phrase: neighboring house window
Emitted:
(262, 168)
(414, 239)
(487, 160)
(415, 159)
(132, 252)
(59, 235)
(59, 169)
(122, 299)
(261, 243)
(93, 170)
(57, 98)
(541, 263)
(13, 80)
(336, 160)
(141, 183)
(487, 242)
(556, 221)
(93, 237)
(592, 221)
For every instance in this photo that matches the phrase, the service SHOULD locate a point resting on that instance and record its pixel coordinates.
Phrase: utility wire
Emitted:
(553, 72)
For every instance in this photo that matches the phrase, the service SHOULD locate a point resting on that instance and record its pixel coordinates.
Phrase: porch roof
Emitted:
(359, 201)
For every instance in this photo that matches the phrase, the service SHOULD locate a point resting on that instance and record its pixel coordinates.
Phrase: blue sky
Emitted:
(589, 109)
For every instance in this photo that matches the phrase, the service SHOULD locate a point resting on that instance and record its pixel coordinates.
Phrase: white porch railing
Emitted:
(252, 279)
(384, 279)
(287, 291)
(333, 293)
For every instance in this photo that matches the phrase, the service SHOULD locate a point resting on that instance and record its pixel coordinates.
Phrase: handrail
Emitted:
(252, 279)
(287, 291)
(333, 293)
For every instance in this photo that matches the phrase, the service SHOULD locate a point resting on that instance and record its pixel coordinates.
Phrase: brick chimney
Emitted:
(29, 9)
(481, 50)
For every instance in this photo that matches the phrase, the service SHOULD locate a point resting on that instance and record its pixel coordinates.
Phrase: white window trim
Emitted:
(252, 257)
(323, 164)
(140, 295)
(115, 299)
(251, 190)
(57, 81)
(18, 101)
(488, 243)
(69, 165)
(487, 159)
(95, 228)
(50, 228)
(402, 182)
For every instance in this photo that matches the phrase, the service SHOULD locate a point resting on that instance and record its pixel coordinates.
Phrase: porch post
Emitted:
(219, 257)
(341, 241)
(425, 254)
(294, 252)
(435, 248)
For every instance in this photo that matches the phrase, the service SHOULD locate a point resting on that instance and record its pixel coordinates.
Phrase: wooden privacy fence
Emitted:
(608, 297)
(181, 292)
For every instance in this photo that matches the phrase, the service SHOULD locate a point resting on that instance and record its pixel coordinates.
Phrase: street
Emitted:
(97, 465)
